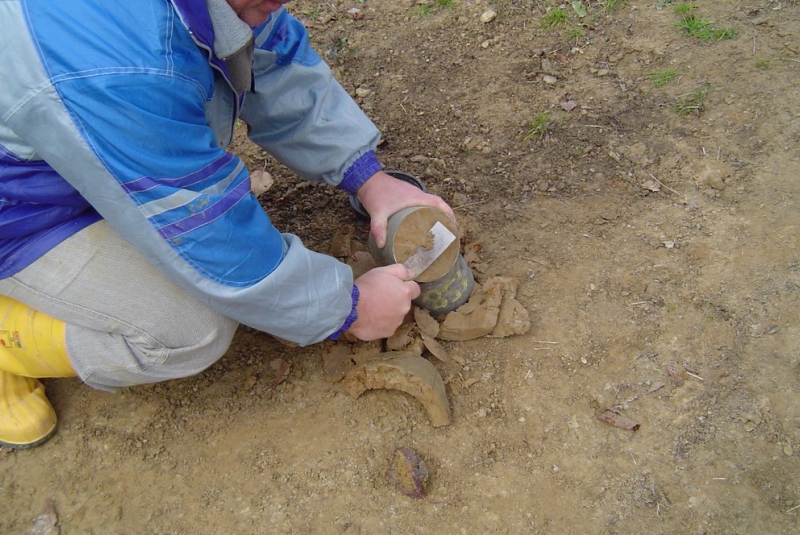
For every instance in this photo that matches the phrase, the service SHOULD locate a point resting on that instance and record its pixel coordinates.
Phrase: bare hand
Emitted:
(383, 195)
(385, 299)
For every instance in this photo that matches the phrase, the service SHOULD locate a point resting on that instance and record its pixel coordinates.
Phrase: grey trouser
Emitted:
(127, 323)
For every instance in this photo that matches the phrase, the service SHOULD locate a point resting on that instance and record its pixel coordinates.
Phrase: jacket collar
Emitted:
(232, 52)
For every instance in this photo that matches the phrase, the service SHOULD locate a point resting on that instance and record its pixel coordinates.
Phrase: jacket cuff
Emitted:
(360, 171)
(351, 318)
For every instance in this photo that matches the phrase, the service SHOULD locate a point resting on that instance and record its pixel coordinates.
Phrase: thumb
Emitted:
(378, 229)
(400, 271)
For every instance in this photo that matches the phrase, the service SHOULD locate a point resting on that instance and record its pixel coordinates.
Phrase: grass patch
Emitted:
(613, 5)
(692, 103)
(662, 78)
(538, 127)
(575, 31)
(700, 28)
(312, 14)
(423, 10)
(558, 16)
(763, 64)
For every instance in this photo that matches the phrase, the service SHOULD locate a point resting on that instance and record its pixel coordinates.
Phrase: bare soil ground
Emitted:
(653, 229)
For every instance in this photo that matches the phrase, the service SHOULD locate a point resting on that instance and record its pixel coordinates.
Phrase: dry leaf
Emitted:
(617, 420)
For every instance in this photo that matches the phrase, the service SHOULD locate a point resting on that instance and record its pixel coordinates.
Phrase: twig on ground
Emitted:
(669, 188)
(695, 376)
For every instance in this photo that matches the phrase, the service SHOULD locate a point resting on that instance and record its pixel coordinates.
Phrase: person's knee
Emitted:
(207, 342)
(184, 348)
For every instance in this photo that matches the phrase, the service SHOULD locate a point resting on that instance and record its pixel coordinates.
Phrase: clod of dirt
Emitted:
(405, 372)
(341, 243)
(491, 310)
(714, 175)
(337, 361)
(513, 319)
(401, 338)
(46, 523)
(341, 357)
(408, 473)
(476, 318)
(435, 348)
(425, 323)
(366, 351)
(361, 262)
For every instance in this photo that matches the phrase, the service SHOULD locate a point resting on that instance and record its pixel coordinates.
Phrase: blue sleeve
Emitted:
(129, 132)
(300, 114)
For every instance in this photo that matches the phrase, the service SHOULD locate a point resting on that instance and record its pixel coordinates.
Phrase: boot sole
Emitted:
(29, 445)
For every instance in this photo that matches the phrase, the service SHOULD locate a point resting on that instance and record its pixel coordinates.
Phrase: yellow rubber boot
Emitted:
(26, 417)
(32, 344)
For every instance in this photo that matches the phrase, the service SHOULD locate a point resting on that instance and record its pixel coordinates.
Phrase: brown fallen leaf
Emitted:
(617, 420)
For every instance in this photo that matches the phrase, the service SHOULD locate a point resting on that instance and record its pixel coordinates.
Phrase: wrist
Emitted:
(351, 318)
(359, 172)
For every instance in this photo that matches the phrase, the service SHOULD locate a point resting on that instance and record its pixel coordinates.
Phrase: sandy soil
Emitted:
(657, 254)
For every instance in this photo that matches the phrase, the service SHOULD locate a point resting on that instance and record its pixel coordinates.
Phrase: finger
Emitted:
(415, 289)
(400, 271)
(444, 207)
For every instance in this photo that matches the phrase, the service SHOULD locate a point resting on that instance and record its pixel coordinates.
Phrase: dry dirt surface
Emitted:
(641, 184)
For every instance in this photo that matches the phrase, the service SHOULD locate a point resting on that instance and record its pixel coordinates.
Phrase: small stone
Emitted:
(787, 450)
(488, 16)
(46, 523)
(549, 79)
(363, 92)
(249, 382)
(714, 175)
(408, 473)
(568, 105)
(355, 13)
(260, 182)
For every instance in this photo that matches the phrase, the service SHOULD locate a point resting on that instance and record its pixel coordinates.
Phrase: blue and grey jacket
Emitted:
(123, 110)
